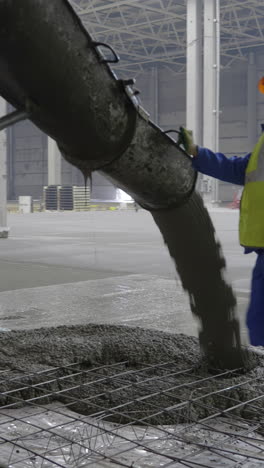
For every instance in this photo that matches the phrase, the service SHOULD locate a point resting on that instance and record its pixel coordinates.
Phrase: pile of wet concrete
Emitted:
(159, 378)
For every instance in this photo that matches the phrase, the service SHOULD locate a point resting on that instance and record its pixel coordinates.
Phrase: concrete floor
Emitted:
(72, 268)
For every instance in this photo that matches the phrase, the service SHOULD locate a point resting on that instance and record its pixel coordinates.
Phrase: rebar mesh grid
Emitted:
(131, 416)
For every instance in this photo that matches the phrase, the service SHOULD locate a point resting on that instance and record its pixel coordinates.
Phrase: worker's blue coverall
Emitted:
(233, 170)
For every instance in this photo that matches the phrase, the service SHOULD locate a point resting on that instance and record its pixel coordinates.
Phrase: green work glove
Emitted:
(186, 140)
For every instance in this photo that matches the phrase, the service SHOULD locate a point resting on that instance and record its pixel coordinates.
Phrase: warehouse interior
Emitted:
(101, 356)
(155, 46)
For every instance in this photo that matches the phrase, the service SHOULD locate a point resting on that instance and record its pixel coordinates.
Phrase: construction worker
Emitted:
(249, 172)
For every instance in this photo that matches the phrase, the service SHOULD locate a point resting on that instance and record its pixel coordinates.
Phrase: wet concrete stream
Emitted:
(190, 236)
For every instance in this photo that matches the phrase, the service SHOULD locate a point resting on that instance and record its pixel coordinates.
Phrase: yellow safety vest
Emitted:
(251, 224)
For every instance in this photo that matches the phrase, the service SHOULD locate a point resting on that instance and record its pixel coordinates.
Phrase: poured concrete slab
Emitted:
(103, 267)
(137, 300)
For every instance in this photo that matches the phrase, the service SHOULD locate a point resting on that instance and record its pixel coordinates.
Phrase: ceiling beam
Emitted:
(242, 28)
(132, 4)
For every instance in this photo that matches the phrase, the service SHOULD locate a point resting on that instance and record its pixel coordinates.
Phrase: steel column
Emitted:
(54, 163)
(212, 81)
(194, 119)
(252, 101)
(3, 174)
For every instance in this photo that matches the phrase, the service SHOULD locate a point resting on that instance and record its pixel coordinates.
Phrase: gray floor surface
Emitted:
(103, 267)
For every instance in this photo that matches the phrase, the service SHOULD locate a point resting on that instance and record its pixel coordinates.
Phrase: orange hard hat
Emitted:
(261, 85)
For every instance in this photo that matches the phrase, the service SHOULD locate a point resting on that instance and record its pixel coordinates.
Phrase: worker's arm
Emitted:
(219, 166)
(214, 164)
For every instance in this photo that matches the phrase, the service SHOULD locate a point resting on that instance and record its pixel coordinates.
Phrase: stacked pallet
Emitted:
(67, 197)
